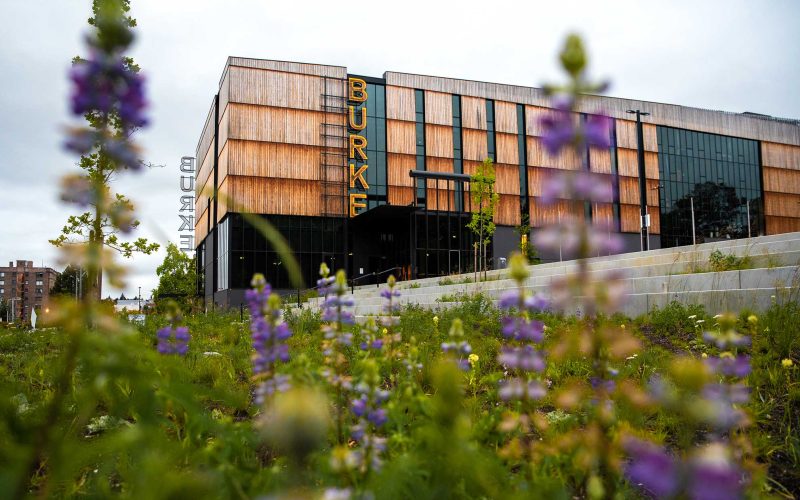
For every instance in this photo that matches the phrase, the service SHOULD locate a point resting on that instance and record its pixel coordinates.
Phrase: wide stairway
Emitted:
(653, 279)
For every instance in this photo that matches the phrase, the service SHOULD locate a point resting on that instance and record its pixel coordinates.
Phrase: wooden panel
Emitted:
(207, 136)
(224, 128)
(440, 199)
(630, 218)
(538, 157)
(652, 192)
(260, 123)
(603, 215)
(536, 180)
(600, 160)
(779, 225)
(398, 167)
(782, 204)
(223, 165)
(402, 196)
(439, 141)
(475, 144)
(533, 119)
(274, 88)
(780, 155)
(650, 165)
(629, 190)
(507, 179)
(439, 165)
(275, 196)
(206, 167)
(473, 112)
(507, 212)
(438, 108)
(507, 148)
(655, 220)
(201, 227)
(627, 162)
(545, 215)
(505, 117)
(224, 198)
(781, 180)
(626, 135)
(400, 103)
(400, 137)
(269, 159)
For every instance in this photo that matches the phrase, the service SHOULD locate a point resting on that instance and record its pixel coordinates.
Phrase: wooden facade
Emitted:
(268, 146)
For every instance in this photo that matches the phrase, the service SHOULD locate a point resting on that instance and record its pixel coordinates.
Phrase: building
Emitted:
(370, 174)
(25, 287)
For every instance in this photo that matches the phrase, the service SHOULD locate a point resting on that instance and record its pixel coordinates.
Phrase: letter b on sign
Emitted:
(358, 90)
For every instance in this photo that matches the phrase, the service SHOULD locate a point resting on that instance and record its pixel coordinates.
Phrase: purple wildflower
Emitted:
(714, 476)
(652, 468)
(173, 340)
(371, 416)
(561, 129)
(106, 85)
(730, 366)
(77, 189)
(269, 333)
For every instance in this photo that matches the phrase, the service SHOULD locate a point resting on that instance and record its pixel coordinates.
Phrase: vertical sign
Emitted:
(357, 157)
(186, 212)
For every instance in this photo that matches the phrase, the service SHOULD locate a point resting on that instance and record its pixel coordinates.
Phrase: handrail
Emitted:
(371, 275)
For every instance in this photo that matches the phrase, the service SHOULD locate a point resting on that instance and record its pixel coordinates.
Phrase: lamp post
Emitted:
(140, 299)
(642, 182)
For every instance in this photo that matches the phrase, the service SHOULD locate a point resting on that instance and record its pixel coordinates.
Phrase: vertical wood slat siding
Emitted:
(207, 135)
(630, 218)
(626, 135)
(600, 160)
(567, 159)
(434, 164)
(507, 180)
(781, 204)
(224, 93)
(440, 199)
(533, 118)
(628, 163)
(223, 164)
(507, 149)
(398, 168)
(438, 108)
(200, 227)
(475, 144)
(505, 117)
(274, 88)
(629, 191)
(400, 103)
(473, 113)
(224, 129)
(438, 140)
(224, 197)
(206, 166)
(507, 212)
(269, 159)
(275, 196)
(536, 178)
(201, 200)
(780, 155)
(400, 137)
(545, 215)
(401, 196)
(261, 123)
(781, 180)
(778, 225)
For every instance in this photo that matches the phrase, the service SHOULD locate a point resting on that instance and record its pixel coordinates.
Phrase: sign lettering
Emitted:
(356, 122)
(186, 228)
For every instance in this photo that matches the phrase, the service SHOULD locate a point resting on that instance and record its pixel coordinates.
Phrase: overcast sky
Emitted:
(727, 55)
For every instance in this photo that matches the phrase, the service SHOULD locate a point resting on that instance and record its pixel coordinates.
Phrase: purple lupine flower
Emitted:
(77, 189)
(730, 366)
(714, 476)
(559, 127)
(269, 333)
(525, 358)
(371, 416)
(173, 340)
(652, 468)
(516, 388)
(597, 131)
(105, 84)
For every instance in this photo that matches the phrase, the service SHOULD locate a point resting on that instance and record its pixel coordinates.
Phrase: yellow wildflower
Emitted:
(704, 355)
(436, 320)
(473, 358)
(752, 319)
(385, 331)
(787, 363)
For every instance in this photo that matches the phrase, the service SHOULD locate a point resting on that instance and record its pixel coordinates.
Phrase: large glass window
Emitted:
(419, 103)
(718, 178)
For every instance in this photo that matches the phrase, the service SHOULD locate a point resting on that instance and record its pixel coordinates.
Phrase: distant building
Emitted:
(134, 304)
(25, 287)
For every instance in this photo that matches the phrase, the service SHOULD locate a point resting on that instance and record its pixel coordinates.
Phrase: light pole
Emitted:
(140, 299)
(642, 177)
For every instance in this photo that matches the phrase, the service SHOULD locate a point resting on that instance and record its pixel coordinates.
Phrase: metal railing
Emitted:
(375, 275)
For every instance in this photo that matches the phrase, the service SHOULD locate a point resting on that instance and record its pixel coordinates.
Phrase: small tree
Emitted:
(177, 275)
(3, 309)
(484, 203)
(73, 281)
